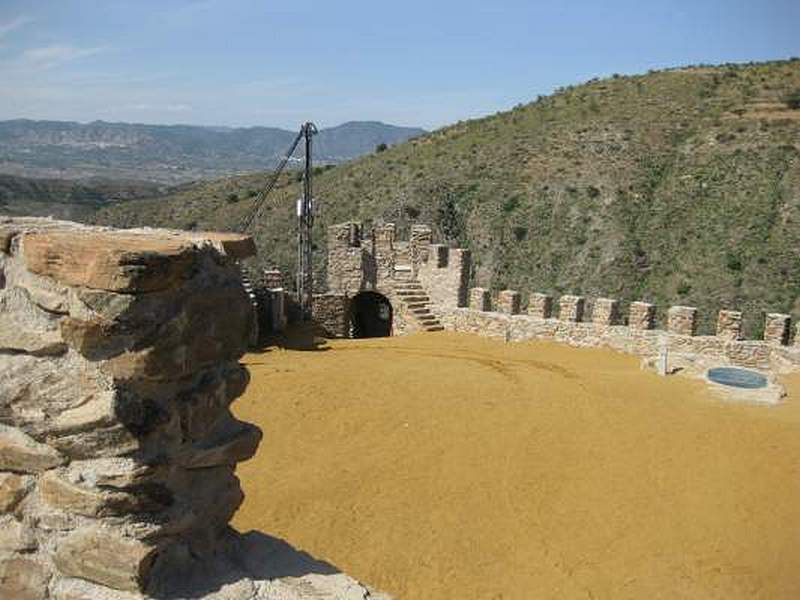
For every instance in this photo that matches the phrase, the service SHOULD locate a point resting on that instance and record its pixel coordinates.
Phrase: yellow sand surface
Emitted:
(442, 466)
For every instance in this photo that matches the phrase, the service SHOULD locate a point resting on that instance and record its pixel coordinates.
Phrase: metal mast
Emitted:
(305, 215)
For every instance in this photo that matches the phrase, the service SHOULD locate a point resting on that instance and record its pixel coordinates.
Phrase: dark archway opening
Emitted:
(370, 315)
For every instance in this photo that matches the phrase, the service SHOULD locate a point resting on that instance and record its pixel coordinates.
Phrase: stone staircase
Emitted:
(249, 288)
(410, 291)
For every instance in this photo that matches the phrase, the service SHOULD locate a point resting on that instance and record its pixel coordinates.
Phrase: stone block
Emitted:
(22, 454)
(682, 320)
(605, 311)
(235, 245)
(23, 579)
(15, 537)
(776, 328)
(113, 261)
(106, 557)
(508, 302)
(480, 299)
(233, 442)
(58, 491)
(642, 316)
(13, 489)
(540, 306)
(203, 406)
(24, 327)
(571, 308)
(729, 325)
(7, 232)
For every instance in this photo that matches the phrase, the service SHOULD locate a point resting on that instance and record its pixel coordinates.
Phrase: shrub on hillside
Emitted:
(793, 100)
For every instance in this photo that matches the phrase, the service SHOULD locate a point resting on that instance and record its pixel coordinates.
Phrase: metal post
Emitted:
(305, 214)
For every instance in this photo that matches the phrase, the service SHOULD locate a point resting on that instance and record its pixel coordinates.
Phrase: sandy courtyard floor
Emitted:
(443, 466)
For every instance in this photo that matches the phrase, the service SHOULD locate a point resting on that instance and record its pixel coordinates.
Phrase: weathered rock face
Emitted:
(118, 362)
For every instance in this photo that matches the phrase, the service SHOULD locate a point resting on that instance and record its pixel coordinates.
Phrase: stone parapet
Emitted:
(383, 252)
(118, 363)
(729, 325)
(509, 301)
(605, 311)
(571, 308)
(682, 320)
(480, 299)
(642, 316)
(419, 240)
(640, 342)
(777, 327)
(540, 306)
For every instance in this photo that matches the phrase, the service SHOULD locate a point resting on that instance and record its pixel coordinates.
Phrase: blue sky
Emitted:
(409, 62)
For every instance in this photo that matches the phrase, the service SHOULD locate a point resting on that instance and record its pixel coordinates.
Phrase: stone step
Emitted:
(434, 328)
(415, 297)
(418, 304)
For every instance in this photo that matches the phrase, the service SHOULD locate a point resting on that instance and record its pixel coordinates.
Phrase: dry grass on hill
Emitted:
(448, 466)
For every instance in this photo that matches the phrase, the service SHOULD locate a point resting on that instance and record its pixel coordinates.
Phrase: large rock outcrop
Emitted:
(118, 363)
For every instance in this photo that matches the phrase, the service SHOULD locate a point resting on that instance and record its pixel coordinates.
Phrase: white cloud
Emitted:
(9, 26)
(51, 56)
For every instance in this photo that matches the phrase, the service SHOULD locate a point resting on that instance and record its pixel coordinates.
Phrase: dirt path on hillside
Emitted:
(444, 466)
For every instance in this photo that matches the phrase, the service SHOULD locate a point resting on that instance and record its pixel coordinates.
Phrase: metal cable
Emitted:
(259, 202)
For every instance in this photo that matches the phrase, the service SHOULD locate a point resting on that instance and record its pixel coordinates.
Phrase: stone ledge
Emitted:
(133, 260)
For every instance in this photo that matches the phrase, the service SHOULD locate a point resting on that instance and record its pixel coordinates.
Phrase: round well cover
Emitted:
(740, 378)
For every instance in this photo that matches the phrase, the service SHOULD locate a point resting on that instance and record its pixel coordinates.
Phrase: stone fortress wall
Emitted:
(381, 263)
(418, 277)
(118, 364)
(633, 332)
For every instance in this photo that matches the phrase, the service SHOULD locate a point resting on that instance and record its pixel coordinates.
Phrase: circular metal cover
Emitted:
(740, 378)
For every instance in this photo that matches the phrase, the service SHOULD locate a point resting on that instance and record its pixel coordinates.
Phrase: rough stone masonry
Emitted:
(118, 363)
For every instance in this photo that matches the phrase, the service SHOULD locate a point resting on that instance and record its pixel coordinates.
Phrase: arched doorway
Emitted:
(370, 315)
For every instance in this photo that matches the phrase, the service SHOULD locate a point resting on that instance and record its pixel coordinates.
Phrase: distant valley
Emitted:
(171, 154)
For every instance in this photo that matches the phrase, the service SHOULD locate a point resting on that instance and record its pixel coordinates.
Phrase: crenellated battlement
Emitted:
(437, 276)
(601, 322)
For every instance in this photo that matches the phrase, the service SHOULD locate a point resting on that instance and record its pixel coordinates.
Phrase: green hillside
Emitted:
(65, 198)
(679, 186)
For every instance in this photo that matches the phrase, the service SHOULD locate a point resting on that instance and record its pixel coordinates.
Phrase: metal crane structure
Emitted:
(305, 218)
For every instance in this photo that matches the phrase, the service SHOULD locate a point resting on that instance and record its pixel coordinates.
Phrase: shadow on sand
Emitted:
(305, 337)
(242, 562)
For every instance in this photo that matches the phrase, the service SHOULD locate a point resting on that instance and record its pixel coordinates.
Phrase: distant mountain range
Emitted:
(172, 153)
